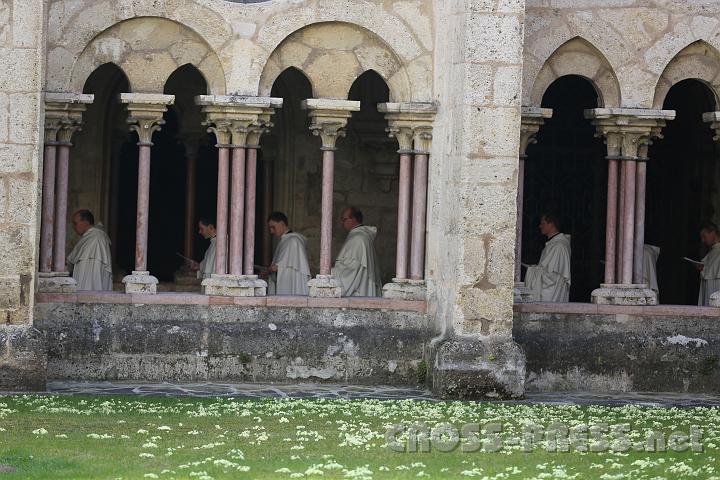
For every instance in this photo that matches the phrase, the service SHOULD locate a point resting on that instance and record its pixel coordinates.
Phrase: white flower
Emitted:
(150, 475)
(149, 445)
(60, 435)
(146, 455)
(40, 431)
(164, 427)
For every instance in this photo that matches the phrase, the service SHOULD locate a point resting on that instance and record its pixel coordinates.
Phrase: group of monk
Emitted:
(356, 268)
(549, 280)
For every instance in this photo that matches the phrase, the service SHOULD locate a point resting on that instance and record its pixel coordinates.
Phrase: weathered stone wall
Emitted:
(183, 342)
(603, 352)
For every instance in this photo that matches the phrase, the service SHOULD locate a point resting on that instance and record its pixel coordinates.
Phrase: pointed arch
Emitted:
(578, 57)
(698, 61)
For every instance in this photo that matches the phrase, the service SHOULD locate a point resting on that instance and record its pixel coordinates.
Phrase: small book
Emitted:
(694, 262)
(525, 265)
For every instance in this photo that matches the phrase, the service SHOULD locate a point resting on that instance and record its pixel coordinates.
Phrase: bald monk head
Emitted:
(351, 217)
(82, 221)
(709, 234)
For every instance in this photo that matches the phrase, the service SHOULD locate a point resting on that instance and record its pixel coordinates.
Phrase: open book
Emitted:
(694, 262)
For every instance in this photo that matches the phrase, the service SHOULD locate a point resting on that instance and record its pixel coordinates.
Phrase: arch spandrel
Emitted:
(698, 61)
(332, 55)
(578, 57)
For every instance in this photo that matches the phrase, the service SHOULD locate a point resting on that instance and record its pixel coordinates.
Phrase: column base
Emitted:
(405, 289)
(187, 281)
(522, 294)
(478, 368)
(140, 282)
(56, 282)
(715, 299)
(624, 294)
(234, 286)
(324, 286)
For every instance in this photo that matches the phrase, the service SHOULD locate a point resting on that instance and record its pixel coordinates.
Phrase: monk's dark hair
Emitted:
(709, 227)
(552, 217)
(355, 213)
(207, 221)
(86, 216)
(278, 217)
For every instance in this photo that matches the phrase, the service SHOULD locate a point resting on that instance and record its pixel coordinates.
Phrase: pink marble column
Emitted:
(611, 221)
(190, 186)
(237, 210)
(48, 208)
(267, 207)
(222, 210)
(328, 177)
(417, 255)
(519, 219)
(61, 201)
(629, 222)
(638, 253)
(622, 197)
(143, 208)
(250, 201)
(403, 233)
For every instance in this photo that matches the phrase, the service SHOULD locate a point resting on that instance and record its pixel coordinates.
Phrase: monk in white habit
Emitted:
(289, 271)
(357, 267)
(650, 256)
(549, 280)
(90, 261)
(205, 269)
(710, 268)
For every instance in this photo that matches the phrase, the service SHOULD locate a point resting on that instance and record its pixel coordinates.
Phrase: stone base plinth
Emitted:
(234, 286)
(324, 286)
(624, 294)
(56, 282)
(405, 289)
(478, 368)
(522, 294)
(187, 281)
(140, 282)
(23, 358)
(715, 299)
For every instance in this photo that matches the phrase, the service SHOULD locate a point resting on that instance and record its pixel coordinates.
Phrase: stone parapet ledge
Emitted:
(405, 289)
(234, 286)
(56, 282)
(324, 286)
(140, 282)
(624, 294)
(595, 309)
(177, 298)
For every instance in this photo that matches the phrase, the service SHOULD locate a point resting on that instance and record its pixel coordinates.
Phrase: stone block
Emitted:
(22, 197)
(620, 294)
(478, 368)
(234, 286)
(19, 60)
(24, 118)
(324, 286)
(522, 294)
(23, 359)
(56, 282)
(404, 289)
(140, 282)
(715, 299)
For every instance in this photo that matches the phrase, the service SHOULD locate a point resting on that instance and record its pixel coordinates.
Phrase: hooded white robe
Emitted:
(357, 267)
(91, 261)
(207, 266)
(293, 271)
(650, 256)
(710, 275)
(549, 280)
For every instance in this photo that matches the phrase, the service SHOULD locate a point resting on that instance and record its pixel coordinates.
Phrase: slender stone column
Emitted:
(221, 220)
(627, 133)
(145, 118)
(244, 119)
(191, 155)
(531, 121)
(267, 206)
(419, 208)
(328, 119)
(63, 117)
(405, 121)
(638, 248)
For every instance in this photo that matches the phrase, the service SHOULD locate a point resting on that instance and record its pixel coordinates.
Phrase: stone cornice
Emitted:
(238, 120)
(628, 131)
(63, 116)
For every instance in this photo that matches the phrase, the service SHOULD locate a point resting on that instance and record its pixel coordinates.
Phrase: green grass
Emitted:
(130, 437)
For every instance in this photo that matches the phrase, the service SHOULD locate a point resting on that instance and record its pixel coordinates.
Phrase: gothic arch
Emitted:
(578, 57)
(699, 61)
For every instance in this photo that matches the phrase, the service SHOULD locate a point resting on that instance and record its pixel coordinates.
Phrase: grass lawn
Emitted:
(193, 438)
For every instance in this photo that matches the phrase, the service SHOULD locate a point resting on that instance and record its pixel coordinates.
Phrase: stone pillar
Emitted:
(328, 119)
(63, 117)
(713, 118)
(531, 120)
(627, 133)
(244, 119)
(410, 124)
(145, 118)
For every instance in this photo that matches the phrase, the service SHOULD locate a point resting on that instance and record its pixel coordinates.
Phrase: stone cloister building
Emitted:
(452, 124)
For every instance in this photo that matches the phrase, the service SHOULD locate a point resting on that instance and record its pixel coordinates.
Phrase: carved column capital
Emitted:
(713, 118)
(328, 118)
(531, 120)
(63, 115)
(411, 124)
(245, 118)
(628, 131)
(145, 113)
